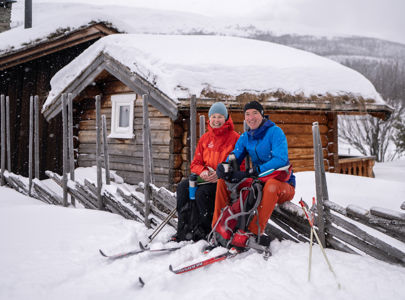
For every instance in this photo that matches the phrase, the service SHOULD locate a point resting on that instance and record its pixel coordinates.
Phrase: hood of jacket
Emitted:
(224, 129)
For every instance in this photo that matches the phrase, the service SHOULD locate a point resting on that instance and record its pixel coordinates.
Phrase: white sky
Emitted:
(375, 18)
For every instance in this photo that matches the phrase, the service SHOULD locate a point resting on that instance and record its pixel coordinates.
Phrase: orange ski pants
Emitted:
(274, 192)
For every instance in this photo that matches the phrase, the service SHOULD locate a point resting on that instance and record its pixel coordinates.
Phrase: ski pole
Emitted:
(303, 204)
(161, 225)
(310, 254)
(311, 239)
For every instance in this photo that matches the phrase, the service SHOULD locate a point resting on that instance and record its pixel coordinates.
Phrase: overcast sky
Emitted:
(375, 18)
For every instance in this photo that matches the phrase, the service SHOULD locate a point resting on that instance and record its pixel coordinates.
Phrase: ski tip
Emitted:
(141, 282)
(171, 269)
(102, 253)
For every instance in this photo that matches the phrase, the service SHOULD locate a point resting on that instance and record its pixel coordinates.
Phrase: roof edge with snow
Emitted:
(135, 82)
(60, 39)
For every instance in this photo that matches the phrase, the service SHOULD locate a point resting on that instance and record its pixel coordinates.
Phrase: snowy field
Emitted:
(50, 252)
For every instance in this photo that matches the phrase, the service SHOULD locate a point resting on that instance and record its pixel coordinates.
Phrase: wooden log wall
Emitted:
(126, 154)
(298, 128)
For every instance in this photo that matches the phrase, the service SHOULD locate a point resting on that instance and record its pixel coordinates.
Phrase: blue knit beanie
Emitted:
(218, 108)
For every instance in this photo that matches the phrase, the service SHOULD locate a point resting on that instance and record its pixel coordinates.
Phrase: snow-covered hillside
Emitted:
(50, 252)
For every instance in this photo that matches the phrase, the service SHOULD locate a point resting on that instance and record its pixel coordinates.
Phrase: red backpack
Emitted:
(246, 195)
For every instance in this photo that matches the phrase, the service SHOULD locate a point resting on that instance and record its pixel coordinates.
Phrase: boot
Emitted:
(261, 245)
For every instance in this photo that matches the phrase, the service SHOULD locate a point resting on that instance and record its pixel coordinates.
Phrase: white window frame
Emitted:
(117, 101)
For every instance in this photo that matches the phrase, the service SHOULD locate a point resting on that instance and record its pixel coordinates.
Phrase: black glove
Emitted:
(232, 176)
(237, 176)
(221, 171)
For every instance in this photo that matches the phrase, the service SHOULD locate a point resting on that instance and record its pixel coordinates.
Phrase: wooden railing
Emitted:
(359, 166)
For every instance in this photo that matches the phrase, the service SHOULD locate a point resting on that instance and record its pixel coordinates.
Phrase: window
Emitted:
(122, 116)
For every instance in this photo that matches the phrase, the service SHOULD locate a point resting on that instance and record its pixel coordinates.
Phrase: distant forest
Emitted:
(382, 62)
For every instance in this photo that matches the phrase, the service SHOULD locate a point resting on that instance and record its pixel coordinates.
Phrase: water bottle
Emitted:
(192, 183)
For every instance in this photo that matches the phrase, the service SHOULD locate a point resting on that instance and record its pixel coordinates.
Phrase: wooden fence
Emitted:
(348, 229)
(359, 166)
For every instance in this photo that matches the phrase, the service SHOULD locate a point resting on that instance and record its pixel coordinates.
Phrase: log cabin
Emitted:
(295, 87)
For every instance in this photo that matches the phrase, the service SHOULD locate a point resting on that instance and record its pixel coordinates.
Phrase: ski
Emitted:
(121, 255)
(229, 254)
(138, 251)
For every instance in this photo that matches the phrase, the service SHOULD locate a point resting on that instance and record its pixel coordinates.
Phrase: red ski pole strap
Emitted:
(304, 205)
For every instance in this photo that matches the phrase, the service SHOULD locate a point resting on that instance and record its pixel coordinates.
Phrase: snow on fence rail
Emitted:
(116, 199)
(343, 233)
(40, 191)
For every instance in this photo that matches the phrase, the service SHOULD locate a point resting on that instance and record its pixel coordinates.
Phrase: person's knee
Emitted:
(271, 186)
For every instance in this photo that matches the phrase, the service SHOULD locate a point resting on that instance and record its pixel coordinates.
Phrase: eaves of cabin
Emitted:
(57, 41)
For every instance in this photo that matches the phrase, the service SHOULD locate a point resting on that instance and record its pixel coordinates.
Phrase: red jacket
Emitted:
(214, 147)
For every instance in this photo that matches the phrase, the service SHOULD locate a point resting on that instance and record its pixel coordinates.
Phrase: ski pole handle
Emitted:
(306, 212)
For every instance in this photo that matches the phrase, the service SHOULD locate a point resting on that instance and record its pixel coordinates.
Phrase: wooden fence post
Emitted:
(106, 155)
(8, 133)
(98, 151)
(202, 125)
(152, 165)
(3, 139)
(193, 124)
(30, 141)
(36, 136)
(65, 148)
(146, 159)
(320, 181)
(71, 149)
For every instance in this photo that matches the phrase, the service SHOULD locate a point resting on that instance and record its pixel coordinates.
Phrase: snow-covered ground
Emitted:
(51, 252)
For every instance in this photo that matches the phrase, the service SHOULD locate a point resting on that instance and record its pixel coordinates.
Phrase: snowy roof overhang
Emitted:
(56, 41)
(104, 62)
(220, 67)
(347, 104)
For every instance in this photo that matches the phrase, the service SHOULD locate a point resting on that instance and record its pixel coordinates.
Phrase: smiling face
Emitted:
(253, 118)
(217, 120)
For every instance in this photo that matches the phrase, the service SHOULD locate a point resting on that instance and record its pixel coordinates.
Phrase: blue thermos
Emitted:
(192, 183)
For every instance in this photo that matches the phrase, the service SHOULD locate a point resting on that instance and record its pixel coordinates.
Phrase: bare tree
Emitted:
(373, 136)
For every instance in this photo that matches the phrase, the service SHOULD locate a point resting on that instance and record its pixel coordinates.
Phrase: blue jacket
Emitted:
(266, 146)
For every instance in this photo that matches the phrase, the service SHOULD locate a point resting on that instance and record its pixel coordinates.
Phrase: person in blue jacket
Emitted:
(266, 144)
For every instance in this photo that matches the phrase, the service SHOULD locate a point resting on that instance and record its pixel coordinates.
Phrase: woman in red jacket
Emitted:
(194, 219)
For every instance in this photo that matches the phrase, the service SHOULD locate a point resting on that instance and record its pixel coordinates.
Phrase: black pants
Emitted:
(195, 216)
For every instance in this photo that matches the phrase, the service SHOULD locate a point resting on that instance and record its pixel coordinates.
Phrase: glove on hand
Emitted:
(237, 176)
(232, 176)
(221, 172)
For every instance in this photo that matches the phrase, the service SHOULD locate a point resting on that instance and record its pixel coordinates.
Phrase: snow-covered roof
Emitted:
(183, 65)
(50, 17)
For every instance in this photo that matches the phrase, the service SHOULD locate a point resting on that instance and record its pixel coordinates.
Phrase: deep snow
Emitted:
(50, 252)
